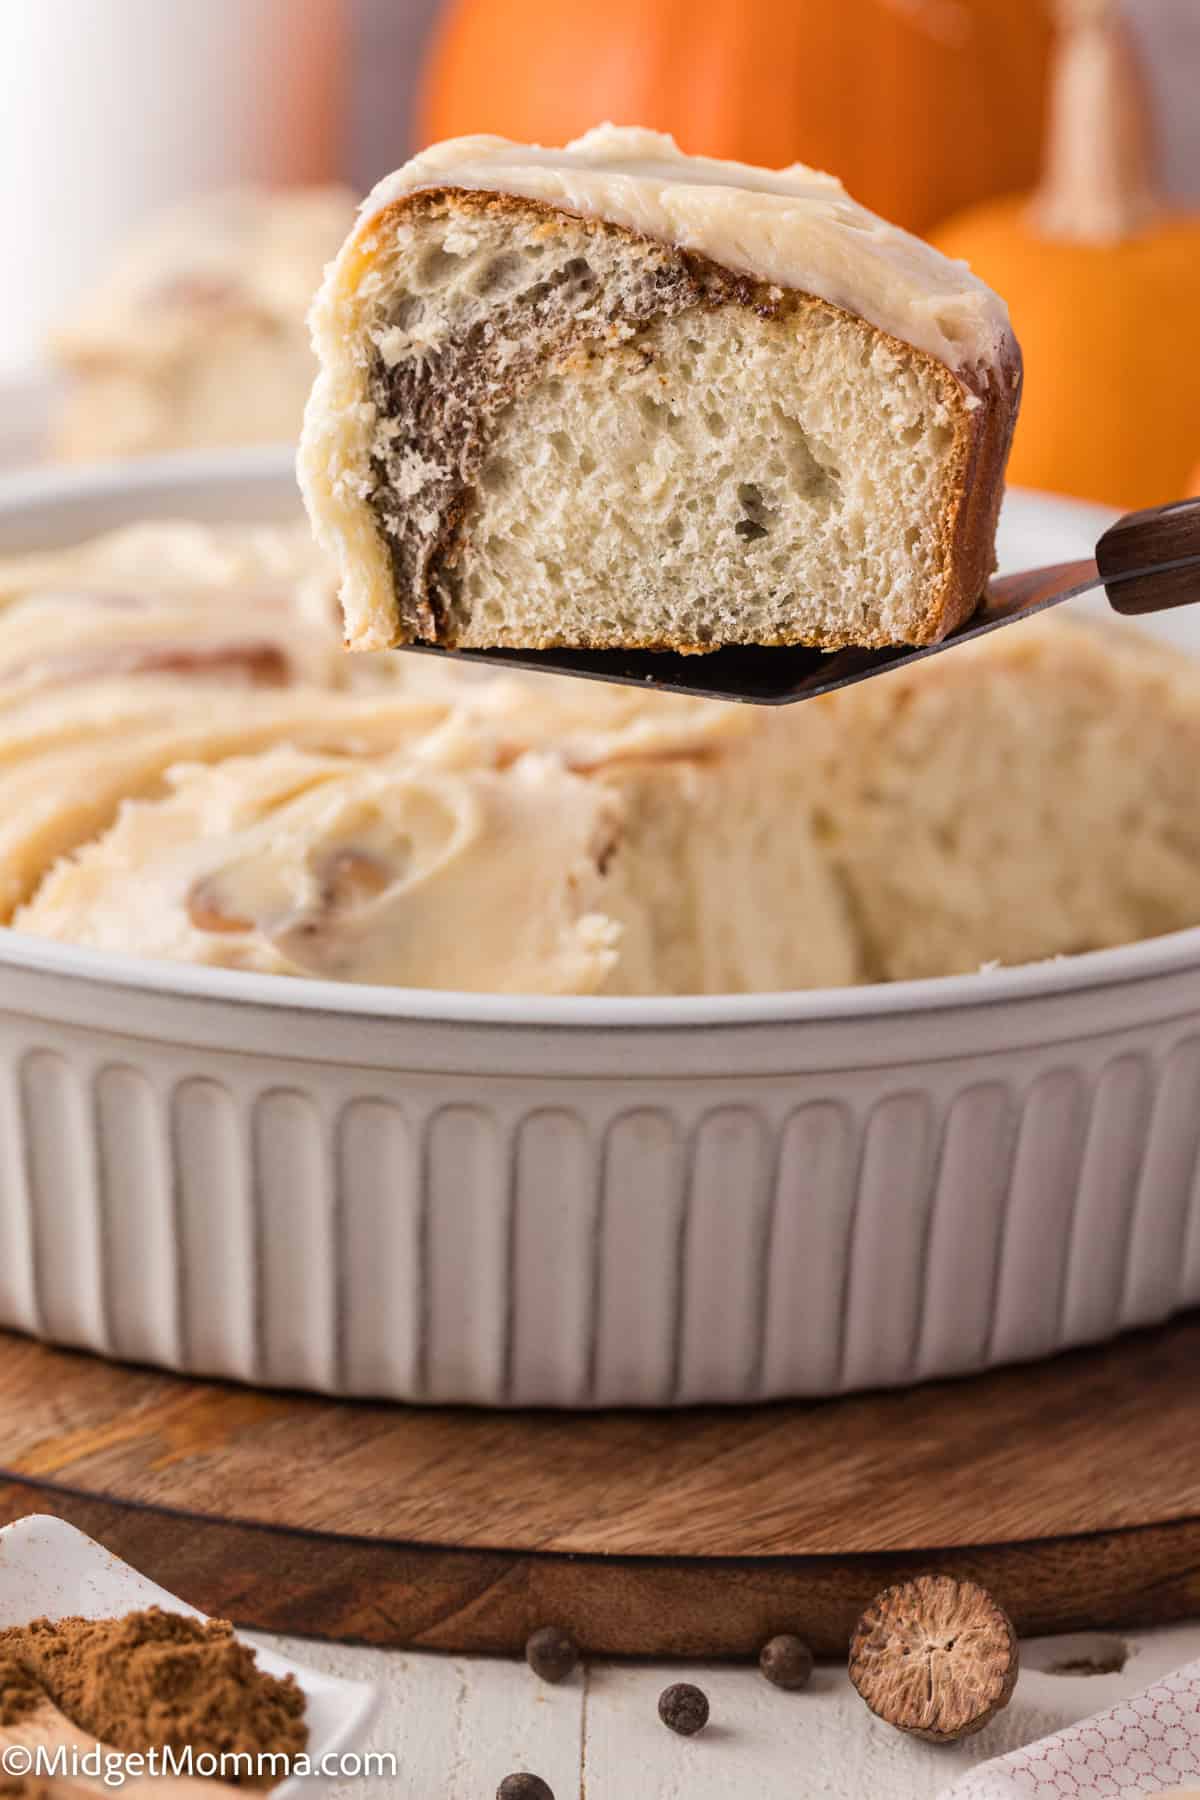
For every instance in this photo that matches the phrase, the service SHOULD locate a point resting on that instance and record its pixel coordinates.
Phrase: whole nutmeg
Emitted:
(786, 1661)
(551, 1653)
(935, 1657)
(683, 1708)
(523, 1787)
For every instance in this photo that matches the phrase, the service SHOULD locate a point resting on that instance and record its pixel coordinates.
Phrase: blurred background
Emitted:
(176, 173)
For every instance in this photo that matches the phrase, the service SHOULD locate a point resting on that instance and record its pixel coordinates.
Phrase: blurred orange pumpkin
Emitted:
(920, 106)
(1103, 283)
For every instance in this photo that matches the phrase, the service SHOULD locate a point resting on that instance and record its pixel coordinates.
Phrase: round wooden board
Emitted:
(1071, 1488)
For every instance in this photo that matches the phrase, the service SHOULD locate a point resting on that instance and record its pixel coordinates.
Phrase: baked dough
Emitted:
(191, 768)
(613, 396)
(354, 870)
(255, 799)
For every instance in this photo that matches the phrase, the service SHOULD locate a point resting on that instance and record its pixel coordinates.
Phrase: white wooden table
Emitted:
(457, 1725)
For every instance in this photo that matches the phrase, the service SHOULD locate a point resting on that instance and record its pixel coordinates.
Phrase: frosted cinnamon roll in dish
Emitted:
(164, 644)
(387, 871)
(422, 870)
(615, 396)
(190, 768)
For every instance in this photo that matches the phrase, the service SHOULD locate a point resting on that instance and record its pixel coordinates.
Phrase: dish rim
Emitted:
(1128, 965)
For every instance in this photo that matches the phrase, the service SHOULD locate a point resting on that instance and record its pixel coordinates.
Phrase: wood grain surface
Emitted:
(1071, 1488)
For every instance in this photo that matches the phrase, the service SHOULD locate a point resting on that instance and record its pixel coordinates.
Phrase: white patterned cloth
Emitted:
(1142, 1746)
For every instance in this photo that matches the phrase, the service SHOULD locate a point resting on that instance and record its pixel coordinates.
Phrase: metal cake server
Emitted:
(1146, 562)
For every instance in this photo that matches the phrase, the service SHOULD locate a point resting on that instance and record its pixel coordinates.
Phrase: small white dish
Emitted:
(50, 1570)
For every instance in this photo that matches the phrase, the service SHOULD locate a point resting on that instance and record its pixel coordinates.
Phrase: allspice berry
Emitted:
(551, 1653)
(683, 1708)
(786, 1661)
(523, 1787)
(935, 1657)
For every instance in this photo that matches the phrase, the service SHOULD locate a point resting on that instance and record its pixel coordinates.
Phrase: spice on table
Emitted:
(786, 1661)
(551, 1653)
(683, 1708)
(20, 1695)
(154, 1680)
(935, 1657)
(523, 1787)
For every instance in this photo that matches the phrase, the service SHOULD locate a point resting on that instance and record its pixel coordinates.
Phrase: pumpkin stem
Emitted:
(1098, 184)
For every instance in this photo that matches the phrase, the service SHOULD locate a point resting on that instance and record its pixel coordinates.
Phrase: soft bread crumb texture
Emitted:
(534, 429)
(1028, 796)
(714, 892)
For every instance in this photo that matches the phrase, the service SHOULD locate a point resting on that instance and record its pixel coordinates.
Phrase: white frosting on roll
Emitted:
(396, 871)
(794, 227)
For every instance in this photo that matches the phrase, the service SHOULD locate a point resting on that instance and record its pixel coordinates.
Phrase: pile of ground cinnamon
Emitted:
(20, 1693)
(19, 1696)
(152, 1680)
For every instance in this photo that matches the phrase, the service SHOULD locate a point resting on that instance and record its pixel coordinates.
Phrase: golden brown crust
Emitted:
(985, 435)
(983, 403)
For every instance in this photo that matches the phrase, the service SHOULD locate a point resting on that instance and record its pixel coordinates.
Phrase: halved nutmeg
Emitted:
(935, 1657)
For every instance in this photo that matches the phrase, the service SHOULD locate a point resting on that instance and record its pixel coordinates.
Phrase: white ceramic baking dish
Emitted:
(584, 1202)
